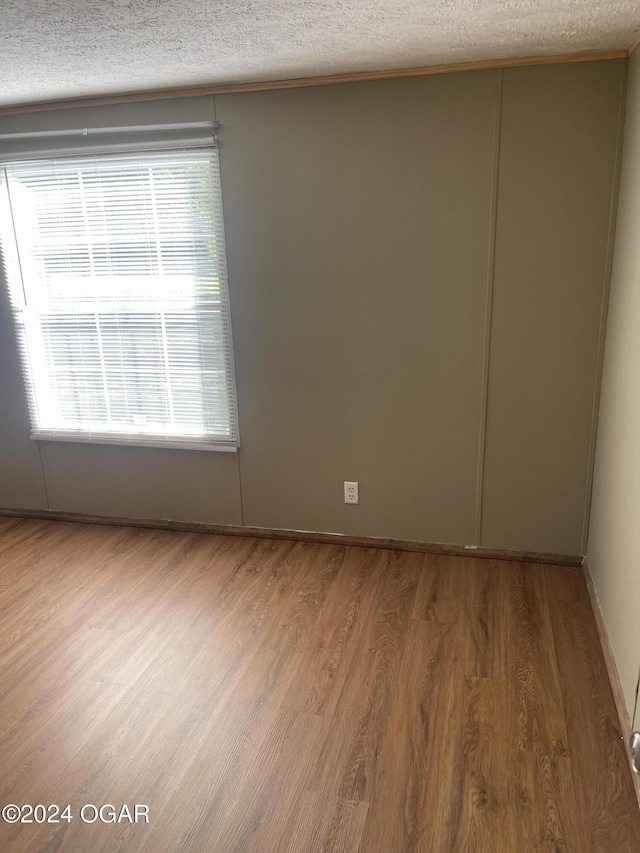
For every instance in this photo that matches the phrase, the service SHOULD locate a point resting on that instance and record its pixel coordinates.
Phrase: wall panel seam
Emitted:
(44, 478)
(233, 355)
(488, 314)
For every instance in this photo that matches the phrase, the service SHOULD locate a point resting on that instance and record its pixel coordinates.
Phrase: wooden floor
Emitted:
(282, 697)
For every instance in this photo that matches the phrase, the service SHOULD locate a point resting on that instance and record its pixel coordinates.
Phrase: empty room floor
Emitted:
(284, 697)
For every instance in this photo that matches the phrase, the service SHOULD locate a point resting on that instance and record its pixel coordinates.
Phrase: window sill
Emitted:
(134, 441)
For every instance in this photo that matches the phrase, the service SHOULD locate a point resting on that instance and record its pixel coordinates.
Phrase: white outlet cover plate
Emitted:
(351, 493)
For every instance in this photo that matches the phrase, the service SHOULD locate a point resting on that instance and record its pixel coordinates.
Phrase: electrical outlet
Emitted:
(351, 493)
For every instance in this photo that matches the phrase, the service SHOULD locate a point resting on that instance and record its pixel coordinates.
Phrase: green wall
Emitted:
(418, 270)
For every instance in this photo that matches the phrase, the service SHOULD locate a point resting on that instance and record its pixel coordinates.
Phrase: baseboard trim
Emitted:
(302, 536)
(612, 671)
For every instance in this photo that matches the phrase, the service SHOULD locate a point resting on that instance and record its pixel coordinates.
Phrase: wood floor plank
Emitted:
(538, 720)
(413, 779)
(315, 568)
(606, 808)
(482, 824)
(290, 697)
(338, 636)
(374, 688)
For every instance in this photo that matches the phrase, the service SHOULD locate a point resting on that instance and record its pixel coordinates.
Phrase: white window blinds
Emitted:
(117, 276)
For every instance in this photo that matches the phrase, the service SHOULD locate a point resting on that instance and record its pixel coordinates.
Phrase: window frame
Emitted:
(9, 249)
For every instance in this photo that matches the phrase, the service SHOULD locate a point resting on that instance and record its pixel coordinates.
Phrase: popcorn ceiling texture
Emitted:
(52, 49)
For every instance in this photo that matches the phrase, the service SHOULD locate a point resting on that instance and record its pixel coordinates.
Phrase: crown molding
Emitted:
(302, 82)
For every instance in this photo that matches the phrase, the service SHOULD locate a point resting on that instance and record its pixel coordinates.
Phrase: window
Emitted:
(117, 277)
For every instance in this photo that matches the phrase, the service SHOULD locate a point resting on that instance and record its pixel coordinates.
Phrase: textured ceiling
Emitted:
(51, 49)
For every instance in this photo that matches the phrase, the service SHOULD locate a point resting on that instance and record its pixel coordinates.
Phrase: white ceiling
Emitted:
(51, 49)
